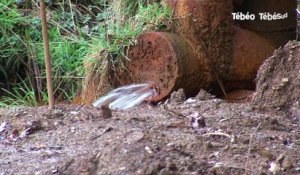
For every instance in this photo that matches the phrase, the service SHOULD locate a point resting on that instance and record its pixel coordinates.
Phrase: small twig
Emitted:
(249, 148)
(236, 167)
(108, 129)
(67, 77)
(231, 166)
(72, 15)
(172, 112)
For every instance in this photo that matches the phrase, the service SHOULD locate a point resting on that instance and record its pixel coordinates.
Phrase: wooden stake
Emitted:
(47, 55)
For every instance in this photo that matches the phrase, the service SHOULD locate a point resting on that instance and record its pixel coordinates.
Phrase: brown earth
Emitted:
(230, 139)
(278, 79)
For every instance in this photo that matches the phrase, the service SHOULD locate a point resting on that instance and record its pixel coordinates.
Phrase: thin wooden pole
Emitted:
(47, 54)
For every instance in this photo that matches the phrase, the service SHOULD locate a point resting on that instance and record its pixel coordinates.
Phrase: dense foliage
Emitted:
(76, 29)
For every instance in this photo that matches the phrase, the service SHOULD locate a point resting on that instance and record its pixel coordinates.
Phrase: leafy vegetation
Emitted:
(22, 94)
(121, 26)
(76, 30)
(11, 45)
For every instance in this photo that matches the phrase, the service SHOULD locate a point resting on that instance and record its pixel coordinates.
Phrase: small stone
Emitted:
(285, 80)
(72, 129)
(35, 125)
(262, 173)
(214, 154)
(85, 29)
(74, 112)
(190, 100)
(172, 167)
(246, 141)
(171, 144)
(280, 158)
(105, 112)
(274, 121)
(295, 110)
(274, 167)
(4, 127)
(134, 136)
(203, 95)
(54, 170)
(165, 172)
(197, 121)
(122, 168)
(209, 145)
(297, 142)
(55, 113)
(178, 96)
(266, 152)
(148, 149)
(287, 164)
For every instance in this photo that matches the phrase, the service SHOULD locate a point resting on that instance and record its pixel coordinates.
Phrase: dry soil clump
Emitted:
(278, 79)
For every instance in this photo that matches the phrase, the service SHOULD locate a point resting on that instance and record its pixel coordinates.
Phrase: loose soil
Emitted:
(230, 139)
(278, 79)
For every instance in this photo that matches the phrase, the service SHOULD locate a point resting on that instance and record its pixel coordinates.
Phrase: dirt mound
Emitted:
(278, 79)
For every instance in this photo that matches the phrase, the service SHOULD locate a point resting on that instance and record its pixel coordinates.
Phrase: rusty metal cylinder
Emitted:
(200, 51)
(207, 24)
(249, 52)
(207, 47)
(168, 61)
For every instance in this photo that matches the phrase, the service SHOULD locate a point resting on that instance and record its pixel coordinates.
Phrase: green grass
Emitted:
(22, 45)
(75, 32)
(117, 34)
(11, 43)
(67, 58)
(21, 95)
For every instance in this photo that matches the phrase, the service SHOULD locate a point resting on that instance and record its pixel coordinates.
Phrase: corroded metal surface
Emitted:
(249, 52)
(207, 24)
(165, 59)
(207, 47)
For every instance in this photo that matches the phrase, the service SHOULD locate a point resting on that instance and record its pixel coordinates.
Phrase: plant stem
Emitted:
(47, 55)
